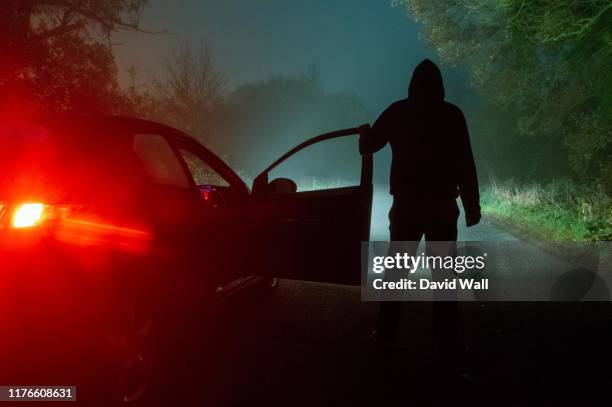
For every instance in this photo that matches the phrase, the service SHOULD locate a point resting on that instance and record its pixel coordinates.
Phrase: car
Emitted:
(115, 231)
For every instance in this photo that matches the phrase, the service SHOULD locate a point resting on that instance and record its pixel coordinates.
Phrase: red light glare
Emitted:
(27, 215)
(83, 232)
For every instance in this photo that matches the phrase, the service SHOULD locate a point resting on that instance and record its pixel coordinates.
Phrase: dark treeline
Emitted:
(546, 66)
(57, 54)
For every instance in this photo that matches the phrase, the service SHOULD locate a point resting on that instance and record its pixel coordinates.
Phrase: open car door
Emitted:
(312, 229)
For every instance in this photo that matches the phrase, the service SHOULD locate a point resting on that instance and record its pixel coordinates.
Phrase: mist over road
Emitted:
(379, 230)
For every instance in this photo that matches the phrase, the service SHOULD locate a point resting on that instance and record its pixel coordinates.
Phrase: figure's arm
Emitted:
(467, 178)
(373, 139)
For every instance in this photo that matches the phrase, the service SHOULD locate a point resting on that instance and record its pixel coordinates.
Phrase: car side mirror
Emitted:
(282, 186)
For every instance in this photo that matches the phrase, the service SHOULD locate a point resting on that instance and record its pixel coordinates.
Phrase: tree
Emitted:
(191, 91)
(57, 53)
(545, 61)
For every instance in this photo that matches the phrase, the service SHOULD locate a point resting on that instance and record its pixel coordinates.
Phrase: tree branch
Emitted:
(59, 30)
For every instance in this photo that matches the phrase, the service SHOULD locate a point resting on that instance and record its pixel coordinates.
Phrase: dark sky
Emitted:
(364, 46)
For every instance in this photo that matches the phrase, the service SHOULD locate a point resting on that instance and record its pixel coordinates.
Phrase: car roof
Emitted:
(59, 120)
(129, 125)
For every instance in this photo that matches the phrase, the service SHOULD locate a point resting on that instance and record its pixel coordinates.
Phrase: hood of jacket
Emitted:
(426, 85)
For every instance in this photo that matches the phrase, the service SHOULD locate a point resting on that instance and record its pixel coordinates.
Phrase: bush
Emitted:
(559, 210)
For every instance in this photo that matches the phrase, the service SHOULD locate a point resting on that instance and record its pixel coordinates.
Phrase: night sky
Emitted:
(364, 46)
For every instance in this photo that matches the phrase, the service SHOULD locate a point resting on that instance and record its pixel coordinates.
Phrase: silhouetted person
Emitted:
(432, 165)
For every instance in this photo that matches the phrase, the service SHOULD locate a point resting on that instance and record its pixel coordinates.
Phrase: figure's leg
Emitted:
(402, 228)
(441, 235)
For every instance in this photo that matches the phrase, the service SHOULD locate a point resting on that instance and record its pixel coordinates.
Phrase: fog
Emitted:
(364, 53)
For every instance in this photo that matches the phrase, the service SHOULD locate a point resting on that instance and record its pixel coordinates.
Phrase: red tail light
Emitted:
(28, 215)
(33, 214)
(74, 224)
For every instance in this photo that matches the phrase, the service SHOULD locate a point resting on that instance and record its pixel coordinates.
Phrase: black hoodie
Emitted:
(432, 157)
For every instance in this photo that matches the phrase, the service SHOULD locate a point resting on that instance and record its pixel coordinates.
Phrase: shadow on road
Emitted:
(308, 345)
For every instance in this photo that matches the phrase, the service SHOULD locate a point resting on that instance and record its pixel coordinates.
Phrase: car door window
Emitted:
(159, 160)
(330, 164)
(201, 172)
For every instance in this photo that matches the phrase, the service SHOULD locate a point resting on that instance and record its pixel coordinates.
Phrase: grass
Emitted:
(558, 211)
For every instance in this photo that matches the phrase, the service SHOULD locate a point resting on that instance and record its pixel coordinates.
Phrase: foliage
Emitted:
(189, 95)
(557, 211)
(191, 91)
(57, 54)
(547, 62)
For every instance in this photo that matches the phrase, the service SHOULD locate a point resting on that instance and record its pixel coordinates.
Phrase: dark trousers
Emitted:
(437, 222)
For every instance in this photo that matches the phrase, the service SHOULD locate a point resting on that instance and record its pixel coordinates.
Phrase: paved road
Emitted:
(307, 345)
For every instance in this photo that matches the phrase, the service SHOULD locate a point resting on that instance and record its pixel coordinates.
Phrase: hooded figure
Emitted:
(432, 165)
(426, 84)
(432, 160)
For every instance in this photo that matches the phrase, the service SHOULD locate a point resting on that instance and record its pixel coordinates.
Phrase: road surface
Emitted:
(307, 345)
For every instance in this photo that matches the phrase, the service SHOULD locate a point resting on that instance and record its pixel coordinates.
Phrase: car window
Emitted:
(159, 161)
(329, 164)
(201, 172)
